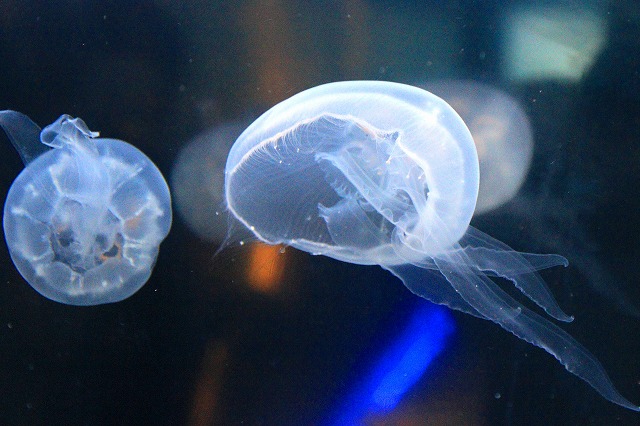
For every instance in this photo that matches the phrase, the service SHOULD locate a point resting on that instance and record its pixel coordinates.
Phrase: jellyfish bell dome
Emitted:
(502, 134)
(367, 172)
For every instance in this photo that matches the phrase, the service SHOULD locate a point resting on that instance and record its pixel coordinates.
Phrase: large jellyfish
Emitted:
(380, 173)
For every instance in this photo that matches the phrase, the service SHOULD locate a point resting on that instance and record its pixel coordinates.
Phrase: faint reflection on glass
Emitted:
(551, 42)
(501, 132)
(373, 172)
(555, 221)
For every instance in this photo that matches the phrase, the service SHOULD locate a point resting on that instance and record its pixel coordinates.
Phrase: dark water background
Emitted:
(197, 345)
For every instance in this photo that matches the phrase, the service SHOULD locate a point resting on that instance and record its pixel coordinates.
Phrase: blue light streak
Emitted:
(401, 365)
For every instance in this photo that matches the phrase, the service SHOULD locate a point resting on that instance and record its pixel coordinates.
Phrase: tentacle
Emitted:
(495, 258)
(493, 303)
(24, 134)
(432, 286)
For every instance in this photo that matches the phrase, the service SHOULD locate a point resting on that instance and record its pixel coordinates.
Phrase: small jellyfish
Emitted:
(380, 173)
(84, 220)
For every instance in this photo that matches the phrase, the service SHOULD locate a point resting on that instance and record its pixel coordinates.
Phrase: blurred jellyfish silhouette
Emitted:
(197, 181)
(501, 132)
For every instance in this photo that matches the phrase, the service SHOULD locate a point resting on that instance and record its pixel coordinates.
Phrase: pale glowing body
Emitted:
(83, 221)
(373, 172)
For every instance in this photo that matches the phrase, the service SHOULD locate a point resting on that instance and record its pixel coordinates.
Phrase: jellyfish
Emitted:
(381, 173)
(84, 220)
